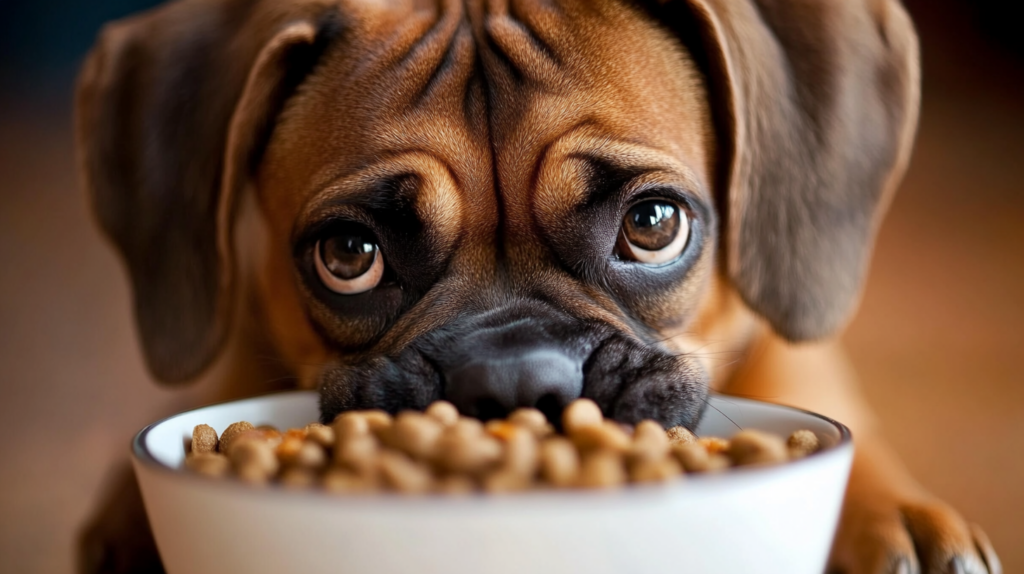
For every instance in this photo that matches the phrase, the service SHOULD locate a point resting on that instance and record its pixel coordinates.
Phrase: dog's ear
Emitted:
(815, 104)
(172, 111)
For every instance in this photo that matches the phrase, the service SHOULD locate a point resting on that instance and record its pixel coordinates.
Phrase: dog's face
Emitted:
(500, 204)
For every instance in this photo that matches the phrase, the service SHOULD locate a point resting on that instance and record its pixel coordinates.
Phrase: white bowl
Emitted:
(750, 520)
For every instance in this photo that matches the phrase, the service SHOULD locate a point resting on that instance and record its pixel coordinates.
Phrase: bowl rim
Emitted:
(142, 455)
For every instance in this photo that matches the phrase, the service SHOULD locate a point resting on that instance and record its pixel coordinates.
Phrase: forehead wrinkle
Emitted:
(440, 188)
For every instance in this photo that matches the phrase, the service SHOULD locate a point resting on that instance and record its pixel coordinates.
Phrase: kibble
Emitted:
(204, 439)
(439, 451)
(802, 443)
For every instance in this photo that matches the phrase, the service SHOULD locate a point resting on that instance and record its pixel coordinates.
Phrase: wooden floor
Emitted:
(938, 340)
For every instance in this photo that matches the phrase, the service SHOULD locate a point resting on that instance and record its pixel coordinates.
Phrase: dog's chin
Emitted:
(631, 381)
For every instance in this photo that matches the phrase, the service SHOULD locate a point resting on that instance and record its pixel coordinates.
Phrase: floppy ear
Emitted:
(172, 111)
(816, 105)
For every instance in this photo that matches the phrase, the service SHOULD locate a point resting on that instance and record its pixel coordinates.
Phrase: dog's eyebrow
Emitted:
(608, 163)
(411, 180)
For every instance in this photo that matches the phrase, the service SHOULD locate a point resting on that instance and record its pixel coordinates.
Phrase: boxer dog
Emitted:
(513, 203)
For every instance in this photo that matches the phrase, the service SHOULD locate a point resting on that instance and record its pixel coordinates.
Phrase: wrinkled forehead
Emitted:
(482, 89)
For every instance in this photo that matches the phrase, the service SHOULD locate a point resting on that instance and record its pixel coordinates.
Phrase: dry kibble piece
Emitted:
(718, 462)
(344, 481)
(265, 427)
(230, 433)
(204, 439)
(323, 435)
(376, 419)
(692, 456)
(505, 480)
(443, 412)
(581, 413)
(455, 484)
(606, 435)
(521, 453)
(464, 448)
(310, 455)
(211, 464)
(649, 441)
(298, 478)
(654, 470)
(288, 449)
(532, 419)
(601, 469)
(348, 425)
(680, 435)
(414, 433)
(403, 474)
(755, 447)
(802, 443)
(559, 462)
(713, 444)
(254, 461)
(358, 454)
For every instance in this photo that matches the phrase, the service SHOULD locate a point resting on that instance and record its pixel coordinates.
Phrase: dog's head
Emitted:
(498, 202)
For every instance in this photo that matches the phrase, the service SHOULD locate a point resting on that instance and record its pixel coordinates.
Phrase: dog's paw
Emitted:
(911, 538)
(118, 540)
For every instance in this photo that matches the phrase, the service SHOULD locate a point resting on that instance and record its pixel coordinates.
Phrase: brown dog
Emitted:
(517, 202)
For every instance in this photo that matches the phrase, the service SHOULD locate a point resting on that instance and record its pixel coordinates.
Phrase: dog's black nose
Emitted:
(493, 385)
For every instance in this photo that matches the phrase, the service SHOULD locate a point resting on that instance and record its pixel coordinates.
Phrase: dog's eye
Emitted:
(349, 262)
(653, 232)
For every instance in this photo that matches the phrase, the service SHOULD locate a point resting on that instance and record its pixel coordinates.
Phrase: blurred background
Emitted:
(938, 342)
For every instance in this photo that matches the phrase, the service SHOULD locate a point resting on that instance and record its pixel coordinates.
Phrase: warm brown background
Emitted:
(938, 340)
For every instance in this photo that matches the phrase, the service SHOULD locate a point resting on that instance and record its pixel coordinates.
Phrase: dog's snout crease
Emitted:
(493, 386)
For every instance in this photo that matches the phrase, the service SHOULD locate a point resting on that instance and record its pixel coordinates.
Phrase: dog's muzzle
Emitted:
(524, 355)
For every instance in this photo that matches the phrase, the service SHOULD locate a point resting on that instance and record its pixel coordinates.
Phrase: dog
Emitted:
(514, 203)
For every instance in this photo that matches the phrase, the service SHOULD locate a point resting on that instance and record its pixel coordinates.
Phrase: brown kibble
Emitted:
(230, 433)
(649, 441)
(288, 449)
(310, 456)
(253, 458)
(531, 419)
(601, 469)
(802, 443)
(344, 481)
(505, 480)
(204, 439)
(376, 419)
(323, 435)
(581, 413)
(414, 433)
(680, 435)
(455, 484)
(756, 447)
(210, 464)
(692, 456)
(403, 474)
(654, 470)
(559, 462)
(443, 412)
(464, 448)
(297, 478)
(606, 435)
(358, 454)
(718, 463)
(713, 444)
(521, 453)
(268, 428)
(348, 425)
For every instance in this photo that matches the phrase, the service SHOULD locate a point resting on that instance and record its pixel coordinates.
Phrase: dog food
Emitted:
(440, 451)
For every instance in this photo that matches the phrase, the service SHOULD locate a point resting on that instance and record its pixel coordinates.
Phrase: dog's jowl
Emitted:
(517, 203)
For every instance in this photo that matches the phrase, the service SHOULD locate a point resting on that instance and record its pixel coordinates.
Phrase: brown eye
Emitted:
(349, 262)
(653, 232)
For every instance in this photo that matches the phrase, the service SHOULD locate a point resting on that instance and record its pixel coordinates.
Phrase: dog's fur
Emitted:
(492, 147)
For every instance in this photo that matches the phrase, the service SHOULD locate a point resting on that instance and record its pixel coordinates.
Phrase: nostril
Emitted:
(487, 408)
(551, 405)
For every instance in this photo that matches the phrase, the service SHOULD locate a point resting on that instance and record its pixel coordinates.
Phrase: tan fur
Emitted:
(494, 106)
